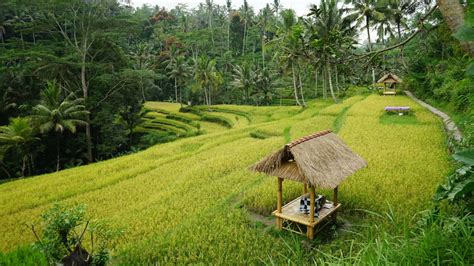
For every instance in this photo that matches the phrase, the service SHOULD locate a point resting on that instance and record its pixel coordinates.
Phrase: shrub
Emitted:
(65, 231)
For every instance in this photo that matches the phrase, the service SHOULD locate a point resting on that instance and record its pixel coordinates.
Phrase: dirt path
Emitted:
(449, 125)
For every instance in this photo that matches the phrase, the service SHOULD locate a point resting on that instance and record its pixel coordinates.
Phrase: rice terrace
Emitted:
(221, 134)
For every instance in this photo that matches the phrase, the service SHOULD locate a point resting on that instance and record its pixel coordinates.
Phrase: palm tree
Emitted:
(264, 82)
(178, 70)
(243, 80)
(383, 28)
(19, 135)
(399, 9)
(3, 32)
(142, 57)
(365, 11)
(229, 9)
(330, 36)
(263, 18)
(246, 17)
(290, 50)
(206, 77)
(209, 6)
(58, 114)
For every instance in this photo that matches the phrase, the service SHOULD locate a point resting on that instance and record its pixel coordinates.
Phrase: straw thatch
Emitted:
(321, 160)
(390, 78)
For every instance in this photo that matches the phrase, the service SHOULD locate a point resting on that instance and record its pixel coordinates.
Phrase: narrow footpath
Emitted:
(449, 125)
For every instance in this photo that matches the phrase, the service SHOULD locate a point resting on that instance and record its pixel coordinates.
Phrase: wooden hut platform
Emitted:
(291, 212)
(318, 160)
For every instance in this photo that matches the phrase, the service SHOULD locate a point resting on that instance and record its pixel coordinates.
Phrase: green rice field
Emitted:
(193, 200)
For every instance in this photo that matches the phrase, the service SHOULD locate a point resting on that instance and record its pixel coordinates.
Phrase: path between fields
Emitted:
(449, 125)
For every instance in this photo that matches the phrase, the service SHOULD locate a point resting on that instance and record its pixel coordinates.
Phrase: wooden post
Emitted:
(310, 228)
(311, 204)
(334, 201)
(279, 221)
(305, 189)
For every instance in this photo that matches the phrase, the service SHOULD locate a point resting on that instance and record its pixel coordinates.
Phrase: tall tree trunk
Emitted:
(180, 96)
(57, 150)
(23, 167)
(263, 49)
(205, 97)
(301, 87)
(228, 34)
(324, 73)
(85, 92)
(337, 80)
(328, 67)
(367, 26)
(243, 40)
(143, 89)
(176, 90)
(373, 75)
(210, 27)
(453, 14)
(399, 31)
(210, 95)
(294, 84)
(316, 81)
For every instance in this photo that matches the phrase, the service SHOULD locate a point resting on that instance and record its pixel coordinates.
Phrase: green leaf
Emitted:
(465, 33)
(470, 70)
(466, 157)
(461, 189)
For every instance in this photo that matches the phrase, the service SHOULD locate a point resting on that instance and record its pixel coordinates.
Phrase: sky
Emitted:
(301, 7)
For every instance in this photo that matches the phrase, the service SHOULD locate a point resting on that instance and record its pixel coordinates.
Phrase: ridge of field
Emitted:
(174, 199)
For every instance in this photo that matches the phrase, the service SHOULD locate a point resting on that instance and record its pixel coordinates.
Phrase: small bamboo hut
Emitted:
(319, 160)
(390, 82)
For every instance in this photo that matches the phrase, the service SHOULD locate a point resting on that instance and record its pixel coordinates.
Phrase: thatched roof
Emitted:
(390, 78)
(321, 159)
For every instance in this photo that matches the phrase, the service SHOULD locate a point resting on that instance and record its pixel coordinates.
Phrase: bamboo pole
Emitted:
(310, 228)
(311, 204)
(334, 200)
(279, 221)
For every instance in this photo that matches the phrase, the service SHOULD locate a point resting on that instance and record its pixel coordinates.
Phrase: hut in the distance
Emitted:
(319, 160)
(390, 82)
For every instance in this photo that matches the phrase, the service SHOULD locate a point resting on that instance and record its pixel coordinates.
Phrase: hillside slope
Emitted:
(177, 201)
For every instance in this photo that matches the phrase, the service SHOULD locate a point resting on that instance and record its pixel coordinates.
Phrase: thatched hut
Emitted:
(318, 160)
(390, 82)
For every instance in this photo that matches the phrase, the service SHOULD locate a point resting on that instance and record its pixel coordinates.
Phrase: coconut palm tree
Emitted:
(264, 81)
(243, 80)
(206, 77)
(209, 6)
(399, 9)
(263, 20)
(330, 36)
(178, 70)
(59, 114)
(365, 11)
(290, 47)
(246, 18)
(229, 9)
(19, 135)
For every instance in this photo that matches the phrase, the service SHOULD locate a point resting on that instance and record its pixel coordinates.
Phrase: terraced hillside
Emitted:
(171, 121)
(192, 200)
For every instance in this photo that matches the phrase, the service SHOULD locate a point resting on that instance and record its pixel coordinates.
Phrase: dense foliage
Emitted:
(115, 57)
